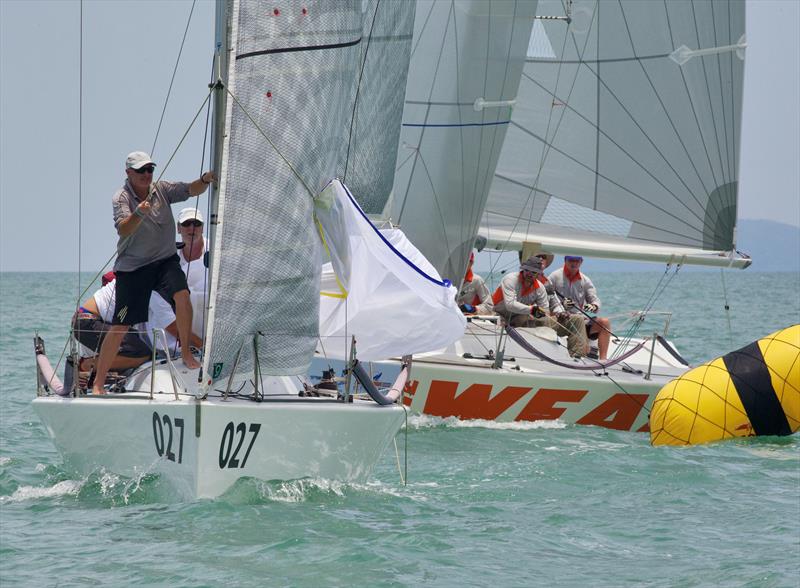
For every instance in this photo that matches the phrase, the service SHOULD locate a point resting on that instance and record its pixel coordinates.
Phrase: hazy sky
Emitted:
(129, 51)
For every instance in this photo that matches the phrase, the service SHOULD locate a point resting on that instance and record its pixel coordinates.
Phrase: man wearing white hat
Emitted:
(146, 255)
(192, 247)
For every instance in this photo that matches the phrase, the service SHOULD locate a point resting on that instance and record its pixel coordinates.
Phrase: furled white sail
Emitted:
(466, 62)
(291, 70)
(624, 141)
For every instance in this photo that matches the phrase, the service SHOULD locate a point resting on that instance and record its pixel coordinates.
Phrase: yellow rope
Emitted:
(342, 293)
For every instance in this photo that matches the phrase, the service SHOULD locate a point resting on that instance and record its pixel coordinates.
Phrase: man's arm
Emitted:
(199, 185)
(590, 293)
(129, 225)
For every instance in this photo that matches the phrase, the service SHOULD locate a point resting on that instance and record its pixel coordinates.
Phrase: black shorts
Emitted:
(592, 336)
(90, 331)
(134, 288)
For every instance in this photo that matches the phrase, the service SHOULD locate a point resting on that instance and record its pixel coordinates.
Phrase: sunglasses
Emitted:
(191, 223)
(148, 169)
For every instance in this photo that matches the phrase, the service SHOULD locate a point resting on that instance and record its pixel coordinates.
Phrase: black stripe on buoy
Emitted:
(750, 376)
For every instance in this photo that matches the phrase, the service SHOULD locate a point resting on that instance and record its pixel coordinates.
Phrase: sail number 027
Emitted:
(163, 433)
(230, 445)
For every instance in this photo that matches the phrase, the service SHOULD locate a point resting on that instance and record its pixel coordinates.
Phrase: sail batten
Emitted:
(616, 126)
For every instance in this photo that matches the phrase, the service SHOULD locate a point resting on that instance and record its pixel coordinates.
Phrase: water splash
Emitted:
(64, 488)
(424, 421)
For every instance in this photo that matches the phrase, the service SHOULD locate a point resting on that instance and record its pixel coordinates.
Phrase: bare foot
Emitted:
(190, 362)
(96, 390)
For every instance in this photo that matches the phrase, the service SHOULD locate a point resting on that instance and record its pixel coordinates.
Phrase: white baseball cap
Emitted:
(190, 213)
(137, 160)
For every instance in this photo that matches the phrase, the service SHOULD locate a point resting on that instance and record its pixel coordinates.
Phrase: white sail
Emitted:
(465, 67)
(385, 49)
(291, 70)
(624, 141)
(379, 288)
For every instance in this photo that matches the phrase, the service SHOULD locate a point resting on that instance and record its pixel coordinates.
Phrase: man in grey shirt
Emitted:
(147, 260)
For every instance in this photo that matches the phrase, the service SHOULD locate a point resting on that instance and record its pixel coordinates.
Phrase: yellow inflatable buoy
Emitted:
(752, 391)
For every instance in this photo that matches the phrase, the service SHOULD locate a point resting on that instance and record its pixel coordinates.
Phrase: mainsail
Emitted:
(465, 68)
(290, 78)
(624, 141)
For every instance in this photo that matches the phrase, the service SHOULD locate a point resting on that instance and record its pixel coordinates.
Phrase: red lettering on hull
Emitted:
(542, 405)
(622, 410)
(472, 403)
(476, 401)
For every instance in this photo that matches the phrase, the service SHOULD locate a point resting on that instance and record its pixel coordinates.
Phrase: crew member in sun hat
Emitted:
(519, 296)
(564, 323)
(579, 296)
(192, 247)
(146, 256)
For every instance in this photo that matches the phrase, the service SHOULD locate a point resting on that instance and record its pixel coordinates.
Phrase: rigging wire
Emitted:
(358, 90)
(80, 148)
(727, 307)
(203, 268)
(174, 71)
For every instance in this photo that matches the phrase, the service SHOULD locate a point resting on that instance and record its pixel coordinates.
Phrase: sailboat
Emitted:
(615, 134)
(286, 83)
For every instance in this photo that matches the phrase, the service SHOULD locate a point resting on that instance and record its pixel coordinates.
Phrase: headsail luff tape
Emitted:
(752, 391)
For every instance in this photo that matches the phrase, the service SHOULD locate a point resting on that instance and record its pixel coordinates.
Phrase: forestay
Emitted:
(465, 66)
(293, 71)
(624, 141)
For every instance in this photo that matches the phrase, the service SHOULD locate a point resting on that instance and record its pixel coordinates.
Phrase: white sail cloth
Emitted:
(379, 287)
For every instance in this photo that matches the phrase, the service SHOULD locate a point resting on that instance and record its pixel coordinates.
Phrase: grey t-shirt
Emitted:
(154, 239)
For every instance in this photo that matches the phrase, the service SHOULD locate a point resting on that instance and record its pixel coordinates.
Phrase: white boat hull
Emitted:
(204, 446)
(446, 384)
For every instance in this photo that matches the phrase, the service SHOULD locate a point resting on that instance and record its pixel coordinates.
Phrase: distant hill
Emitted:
(774, 247)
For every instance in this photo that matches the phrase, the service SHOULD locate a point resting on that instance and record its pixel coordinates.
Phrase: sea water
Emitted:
(485, 504)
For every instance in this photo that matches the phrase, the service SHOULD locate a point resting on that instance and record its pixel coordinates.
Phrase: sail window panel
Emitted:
(566, 214)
